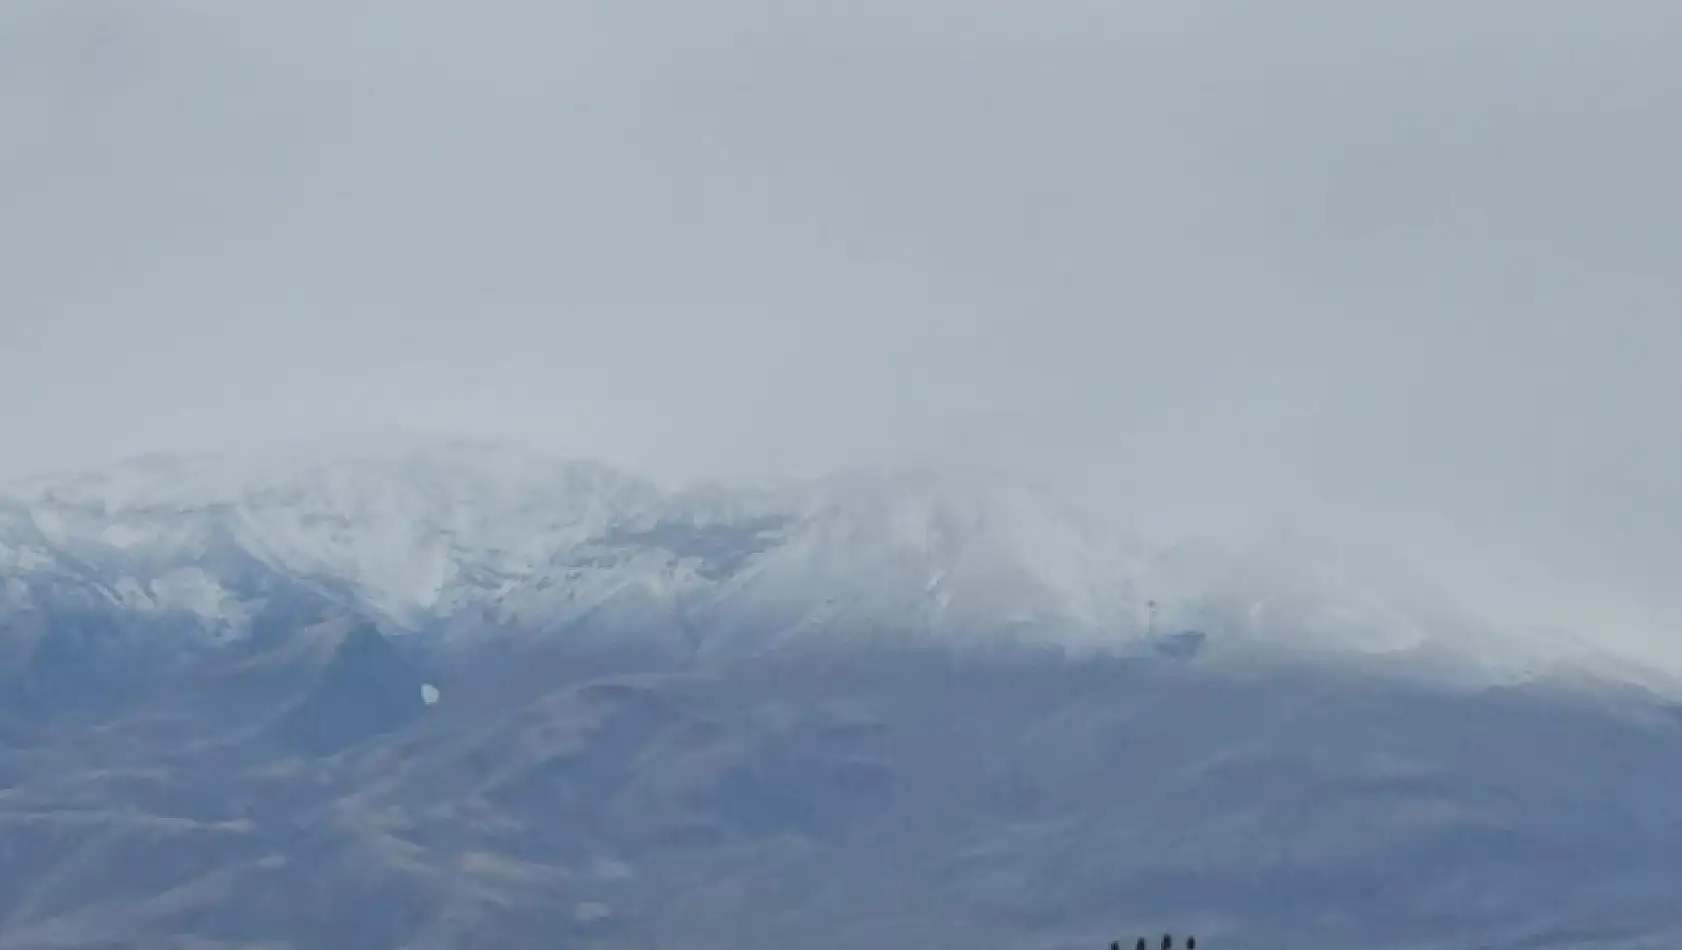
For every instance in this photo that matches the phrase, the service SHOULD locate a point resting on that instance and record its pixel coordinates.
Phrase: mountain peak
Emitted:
(470, 540)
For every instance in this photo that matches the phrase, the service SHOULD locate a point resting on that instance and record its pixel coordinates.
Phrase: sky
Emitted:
(1417, 260)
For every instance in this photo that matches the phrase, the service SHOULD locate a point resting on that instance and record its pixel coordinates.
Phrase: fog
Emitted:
(1412, 267)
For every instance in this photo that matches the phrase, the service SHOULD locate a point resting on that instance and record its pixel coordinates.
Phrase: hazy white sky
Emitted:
(1417, 257)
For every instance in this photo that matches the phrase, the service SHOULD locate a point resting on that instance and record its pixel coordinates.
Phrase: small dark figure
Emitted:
(1115, 945)
(1167, 942)
(1140, 945)
(1191, 943)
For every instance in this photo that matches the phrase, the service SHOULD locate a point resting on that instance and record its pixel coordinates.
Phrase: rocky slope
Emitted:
(465, 697)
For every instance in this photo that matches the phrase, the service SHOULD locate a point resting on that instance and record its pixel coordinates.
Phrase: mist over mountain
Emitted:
(466, 696)
(1272, 535)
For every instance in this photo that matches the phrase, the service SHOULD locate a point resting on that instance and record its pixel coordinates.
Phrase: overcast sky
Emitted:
(1421, 258)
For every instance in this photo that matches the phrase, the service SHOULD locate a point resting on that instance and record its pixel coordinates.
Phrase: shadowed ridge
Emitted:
(362, 688)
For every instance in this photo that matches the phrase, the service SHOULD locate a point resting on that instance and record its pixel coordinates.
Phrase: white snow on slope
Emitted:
(512, 541)
(397, 529)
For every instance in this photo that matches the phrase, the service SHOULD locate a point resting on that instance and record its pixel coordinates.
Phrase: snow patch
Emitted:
(49, 523)
(189, 589)
(23, 559)
(125, 536)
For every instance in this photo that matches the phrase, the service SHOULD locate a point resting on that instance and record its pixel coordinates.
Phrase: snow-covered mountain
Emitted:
(398, 534)
(456, 543)
(870, 709)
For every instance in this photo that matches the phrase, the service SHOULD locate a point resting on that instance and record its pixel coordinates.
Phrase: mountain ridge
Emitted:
(420, 704)
(461, 541)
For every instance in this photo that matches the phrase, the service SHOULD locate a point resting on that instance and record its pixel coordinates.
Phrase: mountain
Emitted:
(424, 539)
(456, 543)
(869, 709)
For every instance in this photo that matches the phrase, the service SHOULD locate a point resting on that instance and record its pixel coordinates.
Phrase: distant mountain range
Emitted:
(871, 709)
(462, 542)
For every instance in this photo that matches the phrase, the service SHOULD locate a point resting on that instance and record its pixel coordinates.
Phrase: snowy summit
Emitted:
(459, 542)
